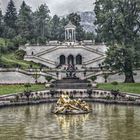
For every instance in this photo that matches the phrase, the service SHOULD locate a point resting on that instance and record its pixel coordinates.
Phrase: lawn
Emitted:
(9, 89)
(11, 61)
(124, 87)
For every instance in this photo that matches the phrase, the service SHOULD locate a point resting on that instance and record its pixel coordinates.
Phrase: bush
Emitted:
(42, 40)
(52, 86)
(89, 85)
(93, 78)
(115, 83)
(48, 78)
(89, 92)
(115, 93)
(20, 54)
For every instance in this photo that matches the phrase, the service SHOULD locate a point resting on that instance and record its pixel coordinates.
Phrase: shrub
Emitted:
(48, 78)
(20, 54)
(52, 86)
(93, 78)
(89, 92)
(114, 83)
(42, 40)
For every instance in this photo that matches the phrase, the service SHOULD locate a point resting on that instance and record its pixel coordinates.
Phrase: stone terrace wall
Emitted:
(16, 77)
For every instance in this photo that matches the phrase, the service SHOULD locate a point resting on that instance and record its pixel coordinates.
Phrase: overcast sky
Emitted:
(59, 7)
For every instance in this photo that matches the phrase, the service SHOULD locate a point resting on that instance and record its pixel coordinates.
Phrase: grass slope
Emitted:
(9, 89)
(124, 87)
(11, 61)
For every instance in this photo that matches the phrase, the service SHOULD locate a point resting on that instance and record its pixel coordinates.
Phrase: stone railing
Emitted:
(40, 59)
(47, 97)
(94, 60)
(93, 50)
(29, 71)
(46, 51)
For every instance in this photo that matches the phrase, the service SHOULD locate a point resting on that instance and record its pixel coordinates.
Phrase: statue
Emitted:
(70, 71)
(65, 105)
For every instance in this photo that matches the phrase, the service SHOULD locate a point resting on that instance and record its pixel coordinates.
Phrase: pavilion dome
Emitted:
(70, 25)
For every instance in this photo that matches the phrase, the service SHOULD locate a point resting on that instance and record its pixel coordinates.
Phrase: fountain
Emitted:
(67, 106)
(71, 81)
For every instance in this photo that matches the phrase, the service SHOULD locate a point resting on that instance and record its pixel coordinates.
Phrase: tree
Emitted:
(0, 56)
(63, 23)
(89, 36)
(41, 20)
(76, 19)
(10, 15)
(118, 27)
(1, 23)
(55, 28)
(10, 19)
(25, 24)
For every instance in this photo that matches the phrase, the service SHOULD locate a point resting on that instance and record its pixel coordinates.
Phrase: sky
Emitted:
(59, 7)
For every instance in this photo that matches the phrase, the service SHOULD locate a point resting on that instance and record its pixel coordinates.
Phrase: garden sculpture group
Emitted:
(65, 105)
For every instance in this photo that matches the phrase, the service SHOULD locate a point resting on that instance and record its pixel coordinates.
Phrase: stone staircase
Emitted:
(94, 60)
(93, 50)
(40, 60)
(46, 51)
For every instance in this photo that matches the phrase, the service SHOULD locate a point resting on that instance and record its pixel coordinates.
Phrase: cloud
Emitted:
(59, 7)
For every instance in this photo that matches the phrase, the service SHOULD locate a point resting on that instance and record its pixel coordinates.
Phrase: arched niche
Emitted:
(79, 59)
(70, 60)
(62, 60)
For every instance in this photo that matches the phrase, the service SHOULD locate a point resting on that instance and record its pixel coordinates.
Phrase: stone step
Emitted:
(72, 86)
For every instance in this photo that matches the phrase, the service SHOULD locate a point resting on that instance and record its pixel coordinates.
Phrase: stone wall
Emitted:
(16, 77)
(118, 78)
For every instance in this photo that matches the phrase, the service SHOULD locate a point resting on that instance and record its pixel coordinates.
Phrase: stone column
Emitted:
(72, 35)
(66, 60)
(74, 60)
(65, 34)
(69, 35)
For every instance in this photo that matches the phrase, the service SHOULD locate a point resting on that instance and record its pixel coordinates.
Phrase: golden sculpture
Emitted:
(67, 106)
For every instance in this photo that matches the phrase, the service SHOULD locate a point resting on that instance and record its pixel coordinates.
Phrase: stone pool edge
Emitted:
(103, 101)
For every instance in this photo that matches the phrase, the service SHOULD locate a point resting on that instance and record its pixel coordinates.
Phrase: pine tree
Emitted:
(1, 23)
(63, 23)
(10, 15)
(55, 27)
(43, 18)
(25, 24)
(10, 19)
(41, 22)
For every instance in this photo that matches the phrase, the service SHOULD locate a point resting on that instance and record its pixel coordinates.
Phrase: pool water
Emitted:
(106, 122)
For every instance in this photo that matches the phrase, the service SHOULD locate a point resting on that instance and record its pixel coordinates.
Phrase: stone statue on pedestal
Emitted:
(70, 72)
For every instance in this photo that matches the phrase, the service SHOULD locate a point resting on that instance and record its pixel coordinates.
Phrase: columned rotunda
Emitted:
(70, 34)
